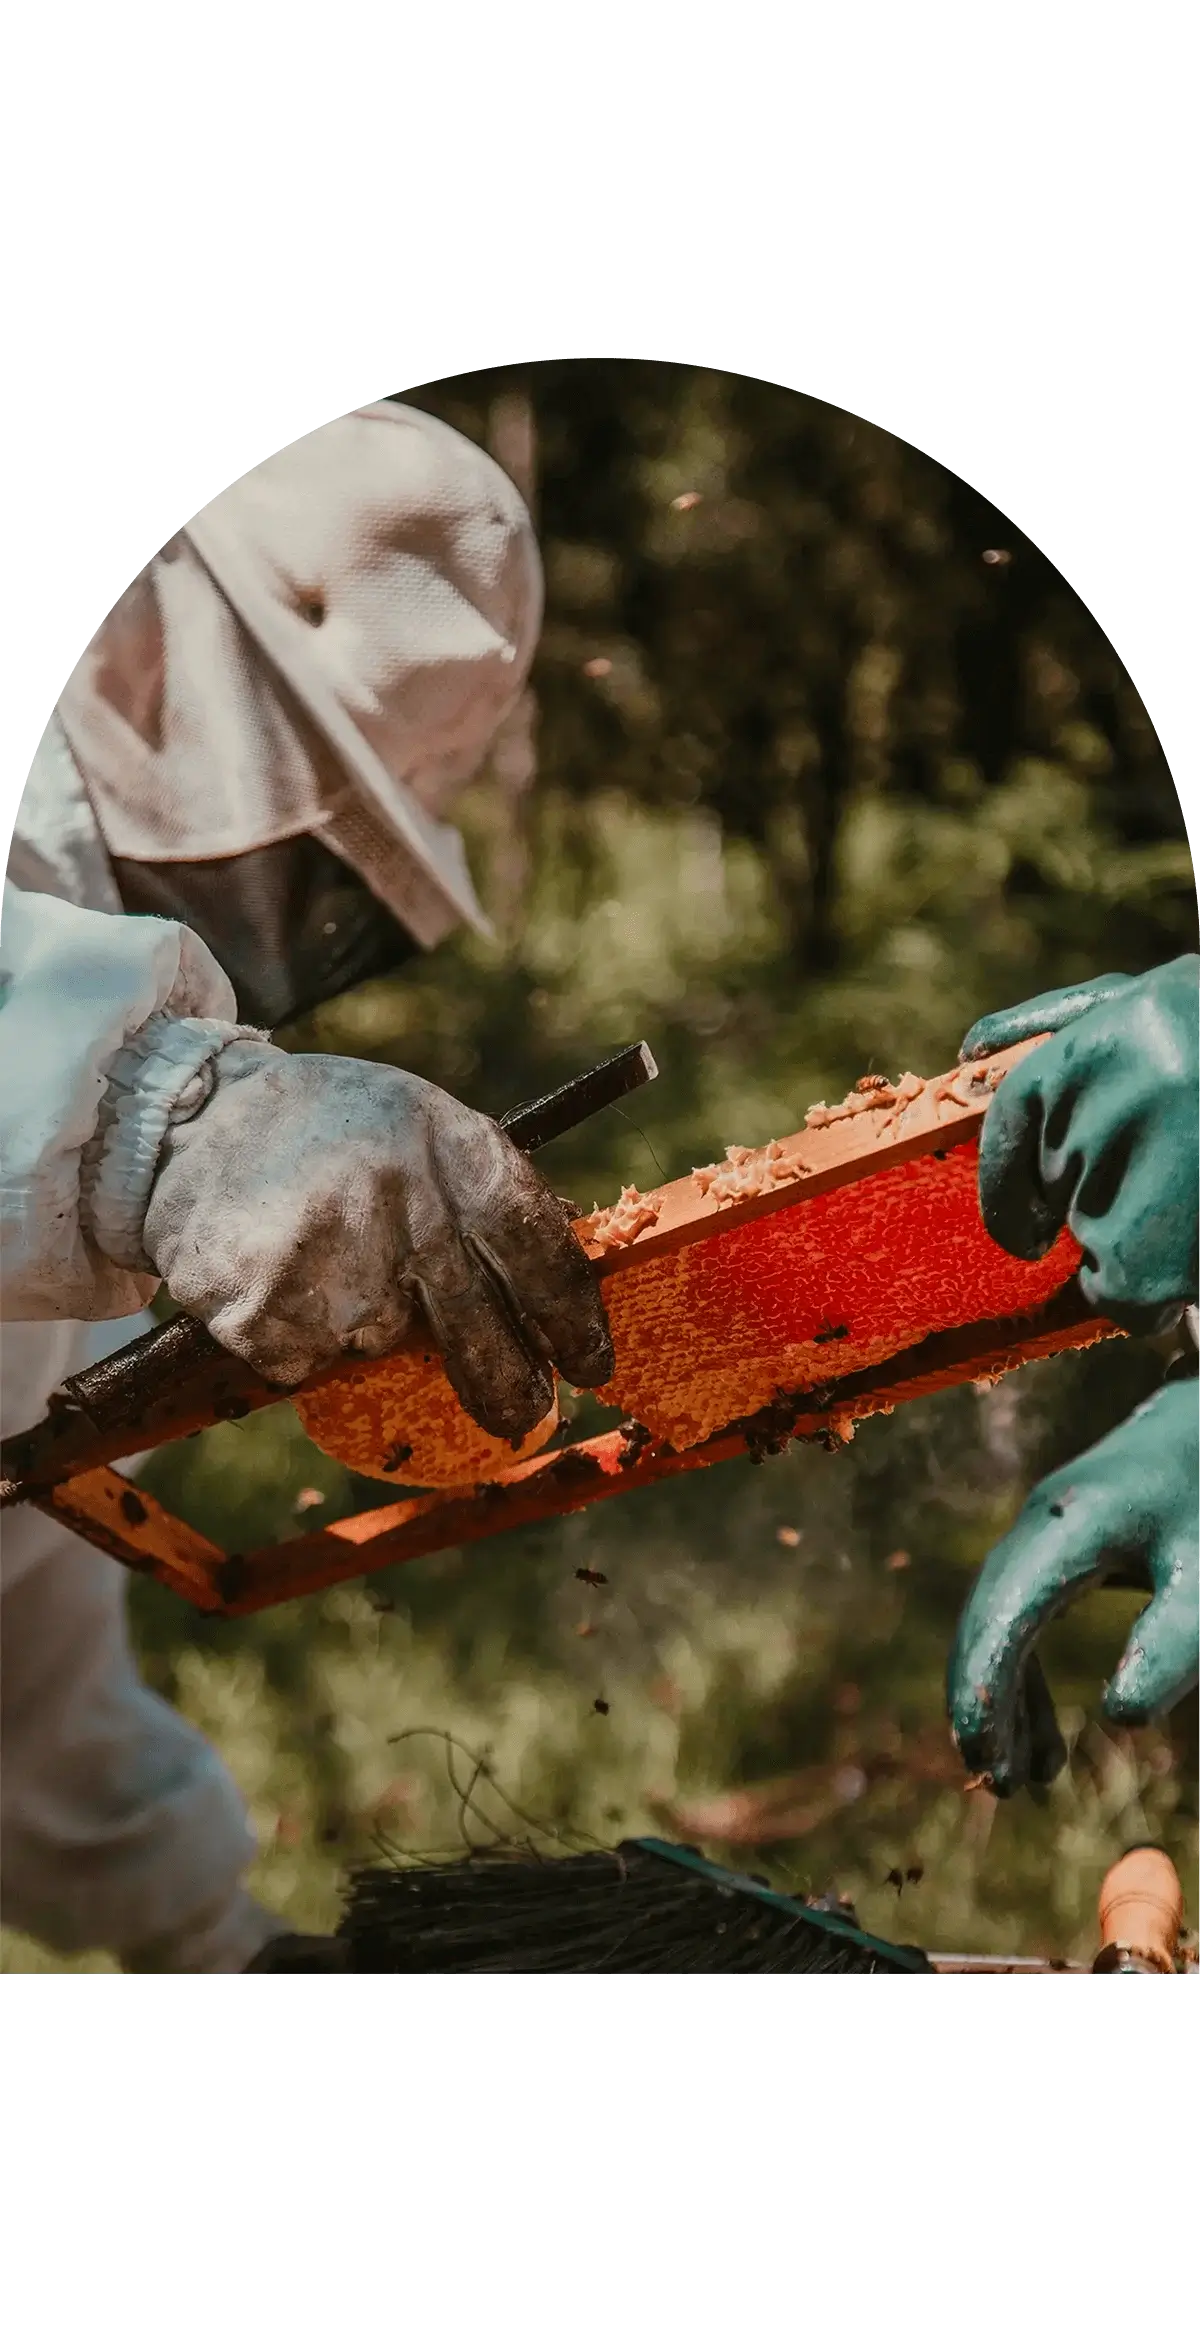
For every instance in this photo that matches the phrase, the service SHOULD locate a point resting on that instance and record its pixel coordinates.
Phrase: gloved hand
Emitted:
(315, 1206)
(1098, 1129)
(1127, 1507)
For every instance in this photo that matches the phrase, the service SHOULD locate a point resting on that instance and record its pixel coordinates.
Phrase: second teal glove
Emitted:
(1126, 1507)
(1097, 1129)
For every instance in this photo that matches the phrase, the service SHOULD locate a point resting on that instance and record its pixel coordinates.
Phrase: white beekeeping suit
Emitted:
(238, 809)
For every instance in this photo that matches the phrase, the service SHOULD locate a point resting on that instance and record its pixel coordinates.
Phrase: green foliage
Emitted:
(846, 782)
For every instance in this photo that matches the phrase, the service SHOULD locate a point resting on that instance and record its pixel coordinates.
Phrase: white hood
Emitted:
(329, 648)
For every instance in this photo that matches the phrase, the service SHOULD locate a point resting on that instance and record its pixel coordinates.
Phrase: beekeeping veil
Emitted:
(325, 652)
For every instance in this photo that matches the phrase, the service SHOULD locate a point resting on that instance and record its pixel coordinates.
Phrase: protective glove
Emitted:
(1127, 1508)
(1098, 1129)
(311, 1206)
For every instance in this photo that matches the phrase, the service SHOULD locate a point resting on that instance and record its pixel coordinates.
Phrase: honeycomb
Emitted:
(816, 1291)
(781, 1269)
(398, 1421)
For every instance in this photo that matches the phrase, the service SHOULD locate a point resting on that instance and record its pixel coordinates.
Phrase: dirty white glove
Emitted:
(307, 1206)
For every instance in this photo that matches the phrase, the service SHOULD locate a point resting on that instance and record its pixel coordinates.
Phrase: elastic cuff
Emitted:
(160, 1076)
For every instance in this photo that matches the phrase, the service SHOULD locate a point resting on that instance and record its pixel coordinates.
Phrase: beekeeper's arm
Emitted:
(1096, 1129)
(301, 1206)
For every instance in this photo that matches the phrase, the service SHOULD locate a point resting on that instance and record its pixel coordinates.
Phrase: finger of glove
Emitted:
(1066, 1534)
(498, 1379)
(523, 1235)
(1159, 1662)
(1042, 1016)
(1017, 1211)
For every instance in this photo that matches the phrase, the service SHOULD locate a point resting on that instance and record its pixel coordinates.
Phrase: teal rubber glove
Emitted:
(1097, 1129)
(1127, 1511)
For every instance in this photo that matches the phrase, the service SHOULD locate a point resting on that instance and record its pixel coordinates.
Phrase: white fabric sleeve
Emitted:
(76, 989)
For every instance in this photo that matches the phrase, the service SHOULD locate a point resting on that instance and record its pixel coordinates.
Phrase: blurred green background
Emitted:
(821, 759)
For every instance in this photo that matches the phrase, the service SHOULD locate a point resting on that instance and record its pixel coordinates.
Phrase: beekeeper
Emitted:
(239, 810)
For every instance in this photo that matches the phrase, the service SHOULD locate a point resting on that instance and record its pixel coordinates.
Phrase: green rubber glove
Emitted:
(1098, 1129)
(1127, 1510)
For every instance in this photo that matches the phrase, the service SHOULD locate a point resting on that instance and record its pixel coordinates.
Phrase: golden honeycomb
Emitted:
(799, 1264)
